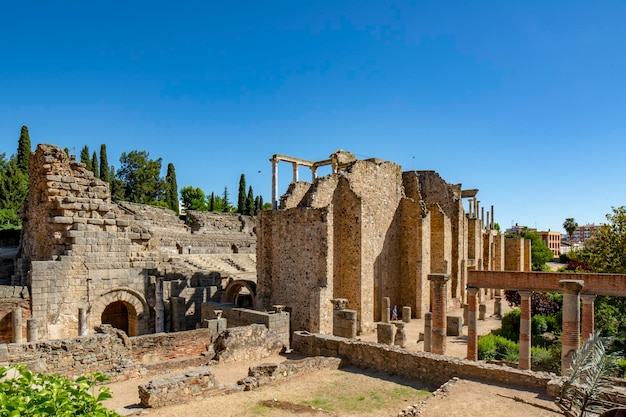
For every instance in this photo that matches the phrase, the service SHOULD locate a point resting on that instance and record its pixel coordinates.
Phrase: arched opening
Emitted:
(121, 315)
(242, 293)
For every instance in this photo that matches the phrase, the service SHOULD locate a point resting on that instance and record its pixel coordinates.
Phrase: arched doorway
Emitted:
(121, 315)
(242, 293)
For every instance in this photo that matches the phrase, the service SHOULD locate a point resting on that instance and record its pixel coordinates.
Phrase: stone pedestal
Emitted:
(465, 314)
(344, 323)
(406, 314)
(454, 326)
(400, 338)
(497, 306)
(482, 311)
(385, 333)
(587, 316)
(428, 331)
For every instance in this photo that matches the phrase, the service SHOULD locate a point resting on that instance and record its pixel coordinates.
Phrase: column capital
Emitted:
(588, 298)
(439, 278)
(526, 294)
(571, 285)
(472, 291)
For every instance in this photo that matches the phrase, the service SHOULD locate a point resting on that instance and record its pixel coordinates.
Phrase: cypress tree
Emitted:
(94, 164)
(23, 150)
(171, 193)
(85, 158)
(257, 204)
(212, 202)
(250, 209)
(260, 205)
(67, 151)
(226, 203)
(241, 197)
(104, 164)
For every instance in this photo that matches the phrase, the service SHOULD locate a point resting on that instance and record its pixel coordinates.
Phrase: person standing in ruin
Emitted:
(394, 313)
(189, 249)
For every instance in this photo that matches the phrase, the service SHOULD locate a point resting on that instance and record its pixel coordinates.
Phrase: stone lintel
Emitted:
(571, 285)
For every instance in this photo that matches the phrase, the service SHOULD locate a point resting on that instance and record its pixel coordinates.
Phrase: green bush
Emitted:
(493, 347)
(30, 394)
(510, 325)
(543, 359)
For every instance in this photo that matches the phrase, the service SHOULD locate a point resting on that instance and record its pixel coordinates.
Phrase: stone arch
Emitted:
(234, 289)
(136, 306)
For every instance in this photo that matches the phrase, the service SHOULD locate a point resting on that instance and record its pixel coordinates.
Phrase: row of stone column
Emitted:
(32, 331)
(571, 335)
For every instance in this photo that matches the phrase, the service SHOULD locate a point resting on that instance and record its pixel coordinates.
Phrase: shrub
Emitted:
(544, 360)
(487, 347)
(493, 347)
(30, 394)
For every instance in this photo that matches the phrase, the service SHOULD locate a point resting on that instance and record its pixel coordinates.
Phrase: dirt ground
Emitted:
(350, 391)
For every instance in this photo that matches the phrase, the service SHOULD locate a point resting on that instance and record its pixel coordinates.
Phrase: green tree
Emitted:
(13, 192)
(540, 253)
(250, 208)
(193, 198)
(171, 194)
(225, 202)
(104, 164)
(212, 202)
(85, 158)
(141, 177)
(570, 226)
(117, 185)
(241, 196)
(23, 150)
(94, 164)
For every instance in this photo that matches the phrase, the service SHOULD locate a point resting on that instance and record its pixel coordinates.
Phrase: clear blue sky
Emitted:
(524, 100)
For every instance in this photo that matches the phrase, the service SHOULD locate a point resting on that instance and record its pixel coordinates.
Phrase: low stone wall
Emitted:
(269, 372)
(277, 322)
(166, 346)
(426, 367)
(177, 388)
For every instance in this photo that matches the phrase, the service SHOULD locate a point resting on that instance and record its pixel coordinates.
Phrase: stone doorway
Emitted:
(242, 293)
(121, 315)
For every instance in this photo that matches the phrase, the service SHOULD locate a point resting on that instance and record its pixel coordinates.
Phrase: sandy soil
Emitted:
(350, 391)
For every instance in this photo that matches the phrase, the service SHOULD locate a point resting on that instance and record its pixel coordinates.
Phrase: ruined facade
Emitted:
(85, 259)
(369, 231)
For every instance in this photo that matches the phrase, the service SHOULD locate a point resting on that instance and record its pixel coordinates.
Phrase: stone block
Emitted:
(482, 311)
(400, 337)
(454, 325)
(385, 333)
(406, 314)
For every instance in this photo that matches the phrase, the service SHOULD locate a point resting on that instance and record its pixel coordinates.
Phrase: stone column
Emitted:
(159, 310)
(274, 183)
(588, 316)
(472, 323)
(439, 306)
(482, 311)
(177, 308)
(497, 305)
(16, 315)
(295, 171)
(525, 330)
(493, 219)
(31, 330)
(313, 173)
(406, 314)
(82, 321)
(428, 331)
(386, 310)
(570, 339)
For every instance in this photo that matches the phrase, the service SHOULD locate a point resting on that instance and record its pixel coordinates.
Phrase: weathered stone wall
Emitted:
(294, 194)
(177, 388)
(246, 343)
(166, 346)
(423, 366)
(294, 266)
(514, 254)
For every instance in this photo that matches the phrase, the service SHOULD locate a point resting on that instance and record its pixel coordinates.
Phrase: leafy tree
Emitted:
(85, 158)
(171, 192)
(67, 151)
(94, 164)
(241, 196)
(23, 150)
(141, 177)
(250, 208)
(193, 198)
(570, 226)
(607, 254)
(225, 202)
(540, 253)
(117, 185)
(104, 164)
(30, 394)
(497, 227)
